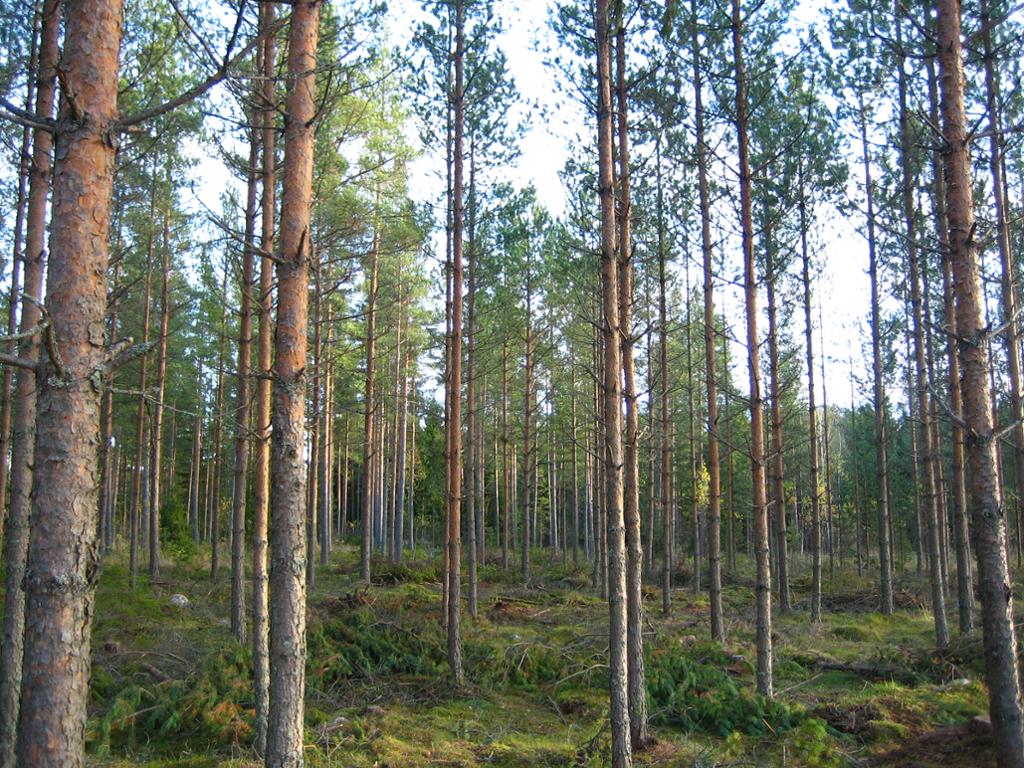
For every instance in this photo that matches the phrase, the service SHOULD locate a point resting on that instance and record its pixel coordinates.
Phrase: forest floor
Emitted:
(171, 688)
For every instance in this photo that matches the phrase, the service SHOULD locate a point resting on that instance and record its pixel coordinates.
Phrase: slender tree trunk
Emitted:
(140, 489)
(327, 448)
(471, 466)
(63, 561)
(778, 494)
(812, 421)
(195, 475)
(1002, 671)
(528, 440)
(29, 139)
(714, 465)
(241, 467)
(218, 433)
(288, 491)
(1009, 317)
(106, 425)
(16, 543)
(454, 424)
(930, 501)
(158, 419)
(403, 430)
(881, 457)
(370, 401)
(760, 503)
(621, 754)
(264, 351)
(639, 732)
(507, 479)
(315, 433)
(827, 455)
(575, 462)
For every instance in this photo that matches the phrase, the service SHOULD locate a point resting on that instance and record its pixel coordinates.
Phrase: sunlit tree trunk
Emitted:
(63, 558)
(261, 458)
(639, 733)
(241, 466)
(288, 482)
(1002, 673)
(454, 424)
(930, 504)
(714, 464)
(763, 586)
(24, 401)
(621, 754)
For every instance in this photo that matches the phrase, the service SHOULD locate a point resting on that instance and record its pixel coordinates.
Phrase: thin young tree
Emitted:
(241, 468)
(638, 726)
(611, 385)
(264, 353)
(763, 586)
(453, 426)
(711, 381)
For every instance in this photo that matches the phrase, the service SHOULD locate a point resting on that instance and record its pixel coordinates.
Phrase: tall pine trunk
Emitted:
(763, 586)
(930, 505)
(23, 438)
(264, 351)
(1002, 673)
(453, 426)
(714, 463)
(241, 467)
(288, 439)
(63, 557)
(639, 733)
(621, 755)
(881, 453)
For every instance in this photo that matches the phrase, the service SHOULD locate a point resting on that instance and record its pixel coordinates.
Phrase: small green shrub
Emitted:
(692, 691)
(811, 744)
(214, 705)
(360, 646)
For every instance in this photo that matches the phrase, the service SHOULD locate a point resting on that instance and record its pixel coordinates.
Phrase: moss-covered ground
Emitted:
(171, 688)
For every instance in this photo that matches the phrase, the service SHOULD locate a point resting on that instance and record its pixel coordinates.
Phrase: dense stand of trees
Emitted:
(474, 377)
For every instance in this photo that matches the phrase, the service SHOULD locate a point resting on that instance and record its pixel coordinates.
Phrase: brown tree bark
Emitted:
(881, 451)
(763, 587)
(638, 726)
(107, 424)
(370, 399)
(471, 469)
(241, 466)
(25, 161)
(812, 417)
(529, 406)
(140, 489)
(714, 463)
(453, 427)
(621, 755)
(63, 559)
(215, 483)
(264, 351)
(1002, 672)
(778, 494)
(24, 401)
(156, 449)
(507, 477)
(930, 505)
(288, 486)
